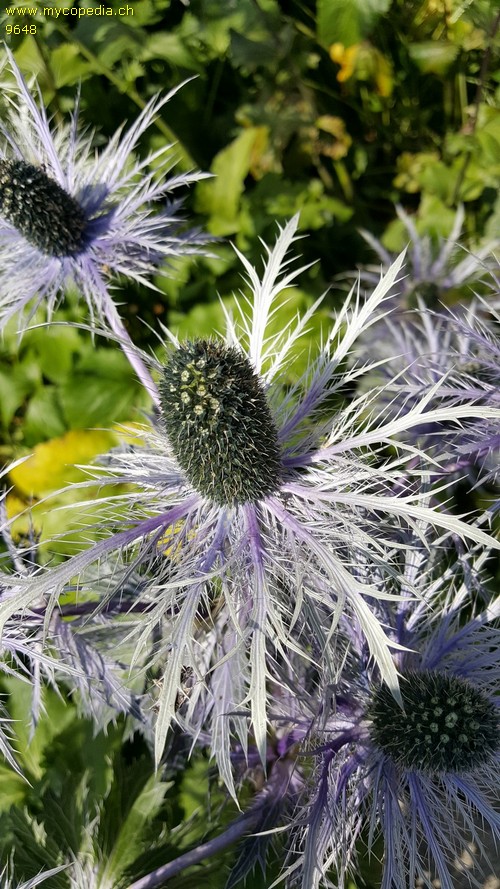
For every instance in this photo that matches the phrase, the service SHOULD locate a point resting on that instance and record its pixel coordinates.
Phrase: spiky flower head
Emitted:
(451, 357)
(219, 423)
(43, 212)
(446, 723)
(250, 510)
(73, 216)
(422, 775)
(437, 268)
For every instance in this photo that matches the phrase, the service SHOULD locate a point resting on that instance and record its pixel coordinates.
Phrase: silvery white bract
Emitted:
(35, 881)
(461, 350)
(435, 266)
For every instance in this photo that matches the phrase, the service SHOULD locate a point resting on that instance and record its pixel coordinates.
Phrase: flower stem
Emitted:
(205, 850)
(127, 345)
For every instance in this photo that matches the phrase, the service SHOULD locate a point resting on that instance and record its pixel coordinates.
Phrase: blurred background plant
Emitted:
(340, 110)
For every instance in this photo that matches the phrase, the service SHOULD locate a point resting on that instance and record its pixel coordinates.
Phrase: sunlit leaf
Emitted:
(52, 464)
(347, 21)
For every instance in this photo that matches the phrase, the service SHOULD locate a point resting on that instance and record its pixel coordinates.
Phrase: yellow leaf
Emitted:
(51, 466)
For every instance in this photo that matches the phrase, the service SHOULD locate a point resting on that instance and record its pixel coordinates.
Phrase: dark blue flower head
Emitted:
(446, 723)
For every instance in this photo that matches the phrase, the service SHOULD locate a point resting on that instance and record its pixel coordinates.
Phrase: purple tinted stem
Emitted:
(243, 825)
(130, 352)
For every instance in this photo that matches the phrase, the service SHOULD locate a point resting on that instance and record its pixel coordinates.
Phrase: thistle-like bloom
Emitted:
(454, 358)
(434, 269)
(424, 777)
(251, 508)
(73, 216)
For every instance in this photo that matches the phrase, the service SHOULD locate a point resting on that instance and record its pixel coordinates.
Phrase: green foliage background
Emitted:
(338, 109)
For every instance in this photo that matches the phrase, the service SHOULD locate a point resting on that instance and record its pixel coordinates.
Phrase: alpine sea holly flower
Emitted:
(423, 778)
(276, 787)
(252, 503)
(463, 351)
(479, 447)
(73, 216)
(435, 268)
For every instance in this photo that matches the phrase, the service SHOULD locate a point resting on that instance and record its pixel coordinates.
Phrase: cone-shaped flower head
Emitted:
(71, 216)
(43, 212)
(219, 423)
(252, 506)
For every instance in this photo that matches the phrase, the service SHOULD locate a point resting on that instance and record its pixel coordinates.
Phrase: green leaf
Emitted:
(316, 208)
(202, 320)
(102, 390)
(43, 419)
(169, 46)
(68, 65)
(251, 53)
(31, 748)
(127, 847)
(493, 224)
(53, 349)
(490, 147)
(347, 21)
(14, 388)
(220, 197)
(194, 792)
(13, 788)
